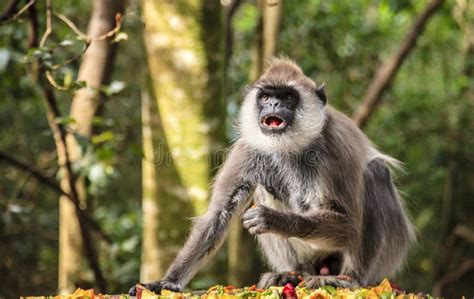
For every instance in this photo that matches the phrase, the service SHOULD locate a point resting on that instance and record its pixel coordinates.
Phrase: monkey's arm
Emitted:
(231, 193)
(325, 225)
(207, 234)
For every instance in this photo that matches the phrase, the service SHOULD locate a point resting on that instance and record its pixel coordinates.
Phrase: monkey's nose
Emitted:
(274, 103)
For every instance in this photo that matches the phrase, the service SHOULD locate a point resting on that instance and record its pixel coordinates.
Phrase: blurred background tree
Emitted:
(174, 87)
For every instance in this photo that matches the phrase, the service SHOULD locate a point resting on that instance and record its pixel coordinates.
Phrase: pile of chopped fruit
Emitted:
(384, 290)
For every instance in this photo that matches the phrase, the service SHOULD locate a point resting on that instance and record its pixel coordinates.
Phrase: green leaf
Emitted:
(66, 43)
(65, 120)
(97, 120)
(330, 289)
(79, 84)
(68, 79)
(387, 295)
(120, 37)
(114, 88)
(103, 137)
(105, 154)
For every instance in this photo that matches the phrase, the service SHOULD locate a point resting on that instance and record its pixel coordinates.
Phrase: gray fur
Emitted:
(324, 196)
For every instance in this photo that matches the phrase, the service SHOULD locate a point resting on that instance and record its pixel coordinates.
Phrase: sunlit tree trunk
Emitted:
(271, 15)
(95, 70)
(244, 265)
(184, 46)
(266, 38)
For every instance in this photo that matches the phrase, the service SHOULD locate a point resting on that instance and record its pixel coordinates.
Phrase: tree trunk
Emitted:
(151, 268)
(266, 37)
(243, 262)
(271, 15)
(185, 130)
(165, 211)
(95, 70)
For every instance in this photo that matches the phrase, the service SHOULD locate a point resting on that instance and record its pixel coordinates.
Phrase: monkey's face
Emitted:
(276, 108)
(283, 111)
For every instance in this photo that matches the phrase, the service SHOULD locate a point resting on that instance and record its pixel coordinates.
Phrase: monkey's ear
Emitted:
(247, 89)
(321, 93)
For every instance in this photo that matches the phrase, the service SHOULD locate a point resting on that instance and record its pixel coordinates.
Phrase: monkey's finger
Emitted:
(256, 230)
(250, 223)
(133, 291)
(250, 213)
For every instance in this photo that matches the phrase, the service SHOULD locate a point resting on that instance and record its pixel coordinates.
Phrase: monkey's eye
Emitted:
(264, 97)
(290, 96)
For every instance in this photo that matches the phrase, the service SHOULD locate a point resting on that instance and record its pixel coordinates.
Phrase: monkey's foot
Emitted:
(156, 287)
(340, 281)
(279, 279)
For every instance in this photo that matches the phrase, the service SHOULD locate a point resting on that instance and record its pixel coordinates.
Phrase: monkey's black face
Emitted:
(276, 106)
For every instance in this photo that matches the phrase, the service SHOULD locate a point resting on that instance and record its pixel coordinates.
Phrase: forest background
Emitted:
(114, 117)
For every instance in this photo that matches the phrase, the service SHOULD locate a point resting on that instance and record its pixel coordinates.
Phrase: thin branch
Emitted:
(36, 173)
(230, 10)
(6, 17)
(49, 22)
(53, 185)
(459, 272)
(387, 72)
(71, 25)
(111, 33)
(464, 232)
(85, 37)
(33, 27)
(53, 82)
(9, 11)
(60, 136)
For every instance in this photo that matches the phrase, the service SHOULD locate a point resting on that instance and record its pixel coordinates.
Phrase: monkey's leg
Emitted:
(387, 232)
(282, 257)
(206, 236)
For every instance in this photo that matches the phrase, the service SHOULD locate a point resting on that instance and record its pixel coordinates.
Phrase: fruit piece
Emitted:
(289, 291)
(139, 289)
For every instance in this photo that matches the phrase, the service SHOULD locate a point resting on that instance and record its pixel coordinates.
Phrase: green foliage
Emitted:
(29, 210)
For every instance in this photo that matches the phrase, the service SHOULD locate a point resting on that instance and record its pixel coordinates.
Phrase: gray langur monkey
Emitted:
(326, 207)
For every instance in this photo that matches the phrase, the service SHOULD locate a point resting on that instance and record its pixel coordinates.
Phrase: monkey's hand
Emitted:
(261, 219)
(340, 281)
(156, 287)
(280, 279)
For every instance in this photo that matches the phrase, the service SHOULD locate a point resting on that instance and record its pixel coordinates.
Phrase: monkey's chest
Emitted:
(287, 184)
(295, 197)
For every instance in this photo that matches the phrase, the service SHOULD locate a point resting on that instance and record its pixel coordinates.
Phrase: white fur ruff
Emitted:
(307, 125)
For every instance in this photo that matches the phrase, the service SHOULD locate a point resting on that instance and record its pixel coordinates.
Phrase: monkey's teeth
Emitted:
(273, 122)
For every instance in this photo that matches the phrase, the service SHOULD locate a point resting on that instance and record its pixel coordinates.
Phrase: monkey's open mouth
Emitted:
(273, 122)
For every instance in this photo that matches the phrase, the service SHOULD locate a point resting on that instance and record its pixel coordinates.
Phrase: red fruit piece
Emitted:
(289, 291)
(252, 287)
(396, 288)
(139, 289)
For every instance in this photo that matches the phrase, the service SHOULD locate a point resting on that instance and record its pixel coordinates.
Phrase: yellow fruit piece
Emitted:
(318, 294)
(147, 294)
